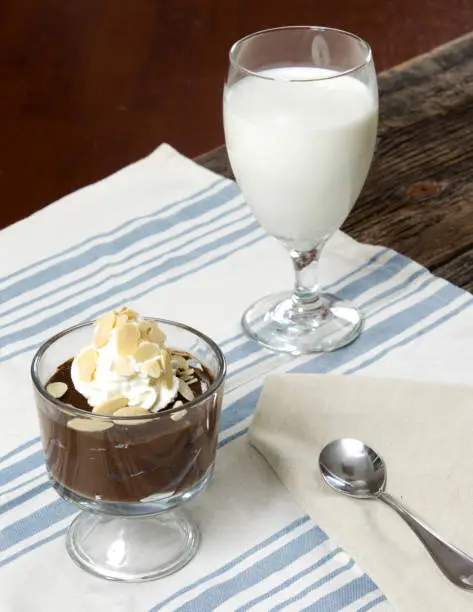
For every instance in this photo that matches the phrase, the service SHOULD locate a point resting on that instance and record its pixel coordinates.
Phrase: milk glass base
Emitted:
(132, 549)
(280, 323)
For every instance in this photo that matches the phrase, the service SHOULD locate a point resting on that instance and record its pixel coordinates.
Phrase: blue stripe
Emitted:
(234, 338)
(119, 243)
(116, 229)
(369, 262)
(35, 522)
(372, 604)
(398, 288)
(236, 435)
(378, 275)
(240, 409)
(290, 581)
(276, 536)
(93, 301)
(343, 596)
(318, 583)
(274, 562)
(412, 337)
(130, 221)
(23, 484)
(19, 448)
(151, 288)
(21, 467)
(24, 497)
(385, 330)
(243, 350)
(401, 298)
(31, 547)
(123, 270)
(266, 354)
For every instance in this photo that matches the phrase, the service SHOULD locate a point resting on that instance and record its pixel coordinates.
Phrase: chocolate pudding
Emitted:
(155, 447)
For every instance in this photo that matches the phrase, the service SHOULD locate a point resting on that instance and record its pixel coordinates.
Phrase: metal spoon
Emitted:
(352, 468)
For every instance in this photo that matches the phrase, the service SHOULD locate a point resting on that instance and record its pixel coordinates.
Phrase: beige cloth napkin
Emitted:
(424, 431)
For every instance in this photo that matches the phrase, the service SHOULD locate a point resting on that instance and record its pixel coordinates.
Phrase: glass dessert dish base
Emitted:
(132, 549)
(284, 324)
(133, 542)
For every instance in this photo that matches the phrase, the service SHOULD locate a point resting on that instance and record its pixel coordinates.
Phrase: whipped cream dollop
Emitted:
(127, 361)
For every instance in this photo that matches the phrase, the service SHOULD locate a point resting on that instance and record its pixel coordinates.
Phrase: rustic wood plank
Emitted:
(418, 198)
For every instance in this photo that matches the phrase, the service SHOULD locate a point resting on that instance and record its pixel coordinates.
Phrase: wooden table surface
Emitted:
(90, 86)
(418, 198)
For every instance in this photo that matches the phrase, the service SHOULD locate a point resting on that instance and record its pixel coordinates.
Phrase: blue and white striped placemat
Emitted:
(172, 239)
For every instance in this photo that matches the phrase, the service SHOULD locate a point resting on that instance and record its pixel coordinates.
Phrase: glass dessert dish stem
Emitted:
(132, 549)
(306, 320)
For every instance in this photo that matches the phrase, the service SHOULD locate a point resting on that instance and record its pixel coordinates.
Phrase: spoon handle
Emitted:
(455, 564)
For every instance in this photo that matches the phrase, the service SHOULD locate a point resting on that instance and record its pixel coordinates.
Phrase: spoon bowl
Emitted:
(353, 468)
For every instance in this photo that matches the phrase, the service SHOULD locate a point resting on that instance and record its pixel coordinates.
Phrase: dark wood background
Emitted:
(90, 85)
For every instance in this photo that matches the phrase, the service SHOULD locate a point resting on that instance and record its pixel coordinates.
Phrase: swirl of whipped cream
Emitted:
(139, 370)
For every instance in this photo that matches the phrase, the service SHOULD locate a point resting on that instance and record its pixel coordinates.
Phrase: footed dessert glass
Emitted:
(130, 475)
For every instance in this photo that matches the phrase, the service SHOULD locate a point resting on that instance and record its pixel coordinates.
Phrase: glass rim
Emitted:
(236, 45)
(216, 384)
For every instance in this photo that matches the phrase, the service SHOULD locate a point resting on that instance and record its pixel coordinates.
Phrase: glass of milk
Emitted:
(300, 118)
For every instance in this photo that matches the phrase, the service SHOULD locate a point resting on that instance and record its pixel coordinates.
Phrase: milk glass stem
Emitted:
(306, 268)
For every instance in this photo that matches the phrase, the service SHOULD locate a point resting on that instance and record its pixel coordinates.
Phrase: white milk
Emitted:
(301, 150)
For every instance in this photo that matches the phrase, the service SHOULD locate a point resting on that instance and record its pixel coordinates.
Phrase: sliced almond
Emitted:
(191, 381)
(89, 425)
(166, 363)
(124, 366)
(130, 411)
(128, 312)
(145, 328)
(86, 363)
(121, 320)
(180, 362)
(127, 339)
(152, 368)
(177, 416)
(56, 389)
(104, 326)
(185, 390)
(156, 334)
(145, 351)
(111, 405)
